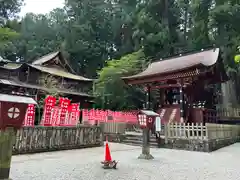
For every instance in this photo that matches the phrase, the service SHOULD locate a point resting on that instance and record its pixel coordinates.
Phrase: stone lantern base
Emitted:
(145, 156)
(146, 146)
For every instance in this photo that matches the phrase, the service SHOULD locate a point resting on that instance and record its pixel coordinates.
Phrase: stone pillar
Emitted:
(146, 133)
(6, 144)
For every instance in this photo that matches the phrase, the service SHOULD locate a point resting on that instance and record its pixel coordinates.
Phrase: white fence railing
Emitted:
(202, 132)
(197, 131)
(186, 131)
(228, 112)
(113, 127)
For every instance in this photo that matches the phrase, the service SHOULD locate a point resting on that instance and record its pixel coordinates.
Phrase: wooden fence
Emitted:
(228, 112)
(196, 131)
(222, 131)
(200, 131)
(185, 131)
(40, 139)
(113, 127)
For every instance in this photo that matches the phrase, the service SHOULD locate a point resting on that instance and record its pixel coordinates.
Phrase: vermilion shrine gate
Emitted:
(183, 83)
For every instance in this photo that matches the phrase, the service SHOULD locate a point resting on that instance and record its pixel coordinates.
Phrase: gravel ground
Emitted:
(168, 164)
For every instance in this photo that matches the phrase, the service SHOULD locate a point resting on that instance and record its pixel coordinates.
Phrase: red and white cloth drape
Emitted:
(93, 115)
(65, 114)
(50, 102)
(73, 114)
(30, 116)
(63, 104)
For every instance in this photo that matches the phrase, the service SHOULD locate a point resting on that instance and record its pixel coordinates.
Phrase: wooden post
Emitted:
(181, 104)
(6, 144)
(146, 133)
(148, 98)
(162, 96)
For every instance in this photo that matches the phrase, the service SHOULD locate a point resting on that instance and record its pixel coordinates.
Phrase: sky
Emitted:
(40, 6)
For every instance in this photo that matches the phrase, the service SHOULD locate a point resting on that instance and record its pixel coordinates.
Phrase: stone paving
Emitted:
(84, 164)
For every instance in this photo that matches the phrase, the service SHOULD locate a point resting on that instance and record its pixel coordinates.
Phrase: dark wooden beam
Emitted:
(160, 78)
(165, 86)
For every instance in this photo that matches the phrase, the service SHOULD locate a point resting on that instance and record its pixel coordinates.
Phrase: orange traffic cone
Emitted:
(108, 157)
(108, 162)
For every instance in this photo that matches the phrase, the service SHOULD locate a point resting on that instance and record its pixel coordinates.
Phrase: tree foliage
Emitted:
(6, 35)
(50, 83)
(8, 9)
(111, 91)
(39, 35)
(119, 37)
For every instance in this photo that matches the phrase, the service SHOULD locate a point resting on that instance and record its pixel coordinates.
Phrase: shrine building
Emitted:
(186, 86)
(43, 75)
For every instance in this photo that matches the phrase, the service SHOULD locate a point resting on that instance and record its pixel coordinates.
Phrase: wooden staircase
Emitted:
(136, 140)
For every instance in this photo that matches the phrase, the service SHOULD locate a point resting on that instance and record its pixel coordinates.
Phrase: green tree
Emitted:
(89, 30)
(123, 20)
(10, 8)
(94, 33)
(39, 35)
(199, 32)
(6, 35)
(111, 92)
(157, 28)
(225, 17)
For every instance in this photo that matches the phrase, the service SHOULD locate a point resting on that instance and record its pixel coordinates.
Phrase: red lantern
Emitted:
(146, 118)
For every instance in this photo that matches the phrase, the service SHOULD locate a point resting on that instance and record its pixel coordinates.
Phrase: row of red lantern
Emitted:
(94, 115)
(65, 114)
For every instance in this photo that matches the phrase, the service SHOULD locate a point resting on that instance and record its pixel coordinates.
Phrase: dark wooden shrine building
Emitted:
(185, 86)
(49, 73)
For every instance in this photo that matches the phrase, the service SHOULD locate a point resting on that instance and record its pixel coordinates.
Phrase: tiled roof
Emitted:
(39, 64)
(4, 60)
(51, 56)
(149, 113)
(61, 73)
(45, 58)
(17, 99)
(21, 84)
(12, 66)
(175, 64)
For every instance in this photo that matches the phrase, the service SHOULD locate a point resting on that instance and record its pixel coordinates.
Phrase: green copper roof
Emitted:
(12, 66)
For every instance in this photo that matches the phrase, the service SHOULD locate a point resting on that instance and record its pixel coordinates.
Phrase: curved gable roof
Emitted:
(45, 58)
(206, 58)
(61, 73)
(48, 57)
